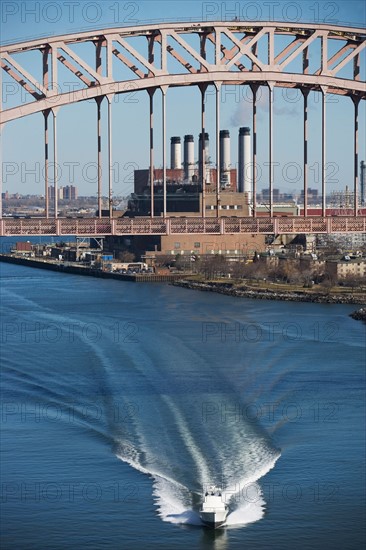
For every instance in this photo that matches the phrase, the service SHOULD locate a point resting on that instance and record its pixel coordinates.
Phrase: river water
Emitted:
(122, 402)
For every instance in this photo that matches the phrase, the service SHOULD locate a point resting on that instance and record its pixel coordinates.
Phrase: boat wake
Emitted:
(178, 497)
(177, 504)
(183, 450)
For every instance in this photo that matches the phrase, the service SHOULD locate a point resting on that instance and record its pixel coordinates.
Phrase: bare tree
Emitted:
(239, 270)
(353, 281)
(329, 280)
(127, 256)
(257, 271)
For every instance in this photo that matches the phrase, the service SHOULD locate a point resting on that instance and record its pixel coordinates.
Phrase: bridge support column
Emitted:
(46, 113)
(113, 226)
(254, 88)
(99, 131)
(110, 172)
(305, 94)
(163, 91)
(218, 182)
(324, 152)
(151, 137)
(270, 87)
(55, 188)
(46, 163)
(201, 168)
(356, 102)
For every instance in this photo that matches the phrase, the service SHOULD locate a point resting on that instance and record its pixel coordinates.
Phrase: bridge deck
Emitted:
(180, 226)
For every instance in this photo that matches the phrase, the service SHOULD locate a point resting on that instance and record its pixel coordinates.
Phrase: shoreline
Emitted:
(289, 296)
(227, 289)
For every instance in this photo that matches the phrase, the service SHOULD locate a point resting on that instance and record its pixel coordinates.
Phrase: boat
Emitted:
(214, 511)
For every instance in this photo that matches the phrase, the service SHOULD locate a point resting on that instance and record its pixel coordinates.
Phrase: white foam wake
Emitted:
(175, 504)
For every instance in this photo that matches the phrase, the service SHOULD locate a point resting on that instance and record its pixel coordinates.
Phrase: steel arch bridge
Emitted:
(208, 53)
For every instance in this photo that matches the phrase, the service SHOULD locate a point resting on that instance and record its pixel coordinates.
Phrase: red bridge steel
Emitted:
(223, 53)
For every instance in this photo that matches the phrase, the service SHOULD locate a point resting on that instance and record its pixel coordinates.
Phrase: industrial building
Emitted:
(191, 186)
(233, 245)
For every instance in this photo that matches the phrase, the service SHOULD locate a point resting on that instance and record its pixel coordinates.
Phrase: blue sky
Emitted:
(22, 140)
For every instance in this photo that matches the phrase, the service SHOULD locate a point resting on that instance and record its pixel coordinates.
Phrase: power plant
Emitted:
(193, 172)
(191, 185)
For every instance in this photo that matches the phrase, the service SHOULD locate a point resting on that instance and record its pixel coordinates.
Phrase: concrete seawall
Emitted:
(89, 272)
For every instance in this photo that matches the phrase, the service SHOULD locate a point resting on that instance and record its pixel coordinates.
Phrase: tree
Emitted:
(164, 260)
(352, 280)
(257, 271)
(329, 280)
(127, 256)
(239, 270)
(306, 277)
(213, 266)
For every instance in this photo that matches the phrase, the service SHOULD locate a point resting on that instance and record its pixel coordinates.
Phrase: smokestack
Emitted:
(363, 181)
(175, 153)
(206, 167)
(245, 164)
(188, 157)
(225, 157)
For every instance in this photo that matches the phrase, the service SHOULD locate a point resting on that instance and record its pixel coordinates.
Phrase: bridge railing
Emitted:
(181, 226)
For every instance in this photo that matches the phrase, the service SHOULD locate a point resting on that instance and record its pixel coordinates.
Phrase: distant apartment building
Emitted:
(68, 192)
(278, 197)
(351, 268)
(312, 196)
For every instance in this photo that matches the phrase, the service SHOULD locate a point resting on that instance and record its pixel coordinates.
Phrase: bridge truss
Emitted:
(208, 53)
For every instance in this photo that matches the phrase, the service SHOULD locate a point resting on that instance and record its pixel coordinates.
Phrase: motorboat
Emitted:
(214, 511)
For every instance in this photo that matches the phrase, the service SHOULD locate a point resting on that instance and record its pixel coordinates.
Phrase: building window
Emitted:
(197, 245)
(176, 245)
